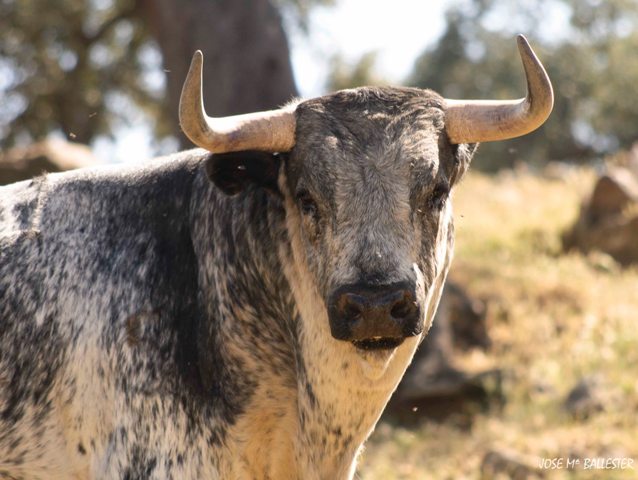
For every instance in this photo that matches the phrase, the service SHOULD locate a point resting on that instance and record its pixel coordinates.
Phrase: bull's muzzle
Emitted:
(374, 317)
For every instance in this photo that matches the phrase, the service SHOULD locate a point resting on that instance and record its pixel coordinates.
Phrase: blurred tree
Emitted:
(343, 74)
(62, 63)
(81, 67)
(586, 46)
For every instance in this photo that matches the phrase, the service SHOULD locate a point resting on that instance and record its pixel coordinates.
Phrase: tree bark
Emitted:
(246, 57)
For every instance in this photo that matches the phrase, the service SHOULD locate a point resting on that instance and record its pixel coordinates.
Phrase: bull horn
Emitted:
(271, 131)
(472, 121)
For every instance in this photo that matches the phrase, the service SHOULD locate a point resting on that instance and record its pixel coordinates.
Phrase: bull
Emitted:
(242, 311)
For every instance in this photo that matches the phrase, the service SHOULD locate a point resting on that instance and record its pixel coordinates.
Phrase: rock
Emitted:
(586, 398)
(466, 317)
(499, 464)
(54, 155)
(612, 193)
(608, 219)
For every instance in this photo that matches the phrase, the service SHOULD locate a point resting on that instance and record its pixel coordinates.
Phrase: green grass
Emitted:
(554, 318)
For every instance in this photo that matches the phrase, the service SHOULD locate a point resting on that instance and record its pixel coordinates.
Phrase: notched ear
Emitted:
(233, 172)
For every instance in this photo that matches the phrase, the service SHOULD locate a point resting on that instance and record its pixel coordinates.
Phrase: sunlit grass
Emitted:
(553, 318)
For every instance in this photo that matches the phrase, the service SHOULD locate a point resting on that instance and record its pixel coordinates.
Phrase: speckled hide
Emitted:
(156, 324)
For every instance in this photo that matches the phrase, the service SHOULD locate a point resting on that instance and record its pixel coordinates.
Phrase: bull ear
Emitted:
(233, 172)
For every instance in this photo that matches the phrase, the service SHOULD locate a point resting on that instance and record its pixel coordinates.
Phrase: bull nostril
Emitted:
(351, 311)
(349, 308)
(403, 308)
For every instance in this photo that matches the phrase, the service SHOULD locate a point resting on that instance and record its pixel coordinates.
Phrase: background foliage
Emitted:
(73, 66)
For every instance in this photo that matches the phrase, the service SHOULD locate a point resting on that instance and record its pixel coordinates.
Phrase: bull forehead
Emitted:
(376, 144)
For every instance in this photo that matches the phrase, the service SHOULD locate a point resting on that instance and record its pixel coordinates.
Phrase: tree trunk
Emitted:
(246, 58)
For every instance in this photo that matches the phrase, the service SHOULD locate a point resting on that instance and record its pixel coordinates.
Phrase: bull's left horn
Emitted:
(271, 131)
(471, 121)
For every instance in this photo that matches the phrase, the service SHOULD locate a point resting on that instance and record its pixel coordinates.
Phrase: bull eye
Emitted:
(307, 204)
(437, 198)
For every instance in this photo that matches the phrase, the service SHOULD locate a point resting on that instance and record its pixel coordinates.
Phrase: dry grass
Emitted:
(554, 319)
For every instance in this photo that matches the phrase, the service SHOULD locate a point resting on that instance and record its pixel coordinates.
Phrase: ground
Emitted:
(555, 319)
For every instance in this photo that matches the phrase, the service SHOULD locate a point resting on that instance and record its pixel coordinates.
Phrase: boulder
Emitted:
(465, 316)
(53, 155)
(608, 219)
(586, 398)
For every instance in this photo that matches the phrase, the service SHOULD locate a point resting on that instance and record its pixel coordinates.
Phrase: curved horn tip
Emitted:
(520, 39)
(530, 60)
(524, 48)
(198, 58)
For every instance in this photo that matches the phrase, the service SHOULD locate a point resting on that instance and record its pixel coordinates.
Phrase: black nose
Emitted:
(376, 315)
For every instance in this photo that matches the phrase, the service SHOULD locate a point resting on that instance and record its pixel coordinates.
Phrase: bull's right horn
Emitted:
(271, 131)
(471, 121)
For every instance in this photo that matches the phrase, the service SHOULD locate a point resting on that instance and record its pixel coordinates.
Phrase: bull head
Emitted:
(365, 186)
